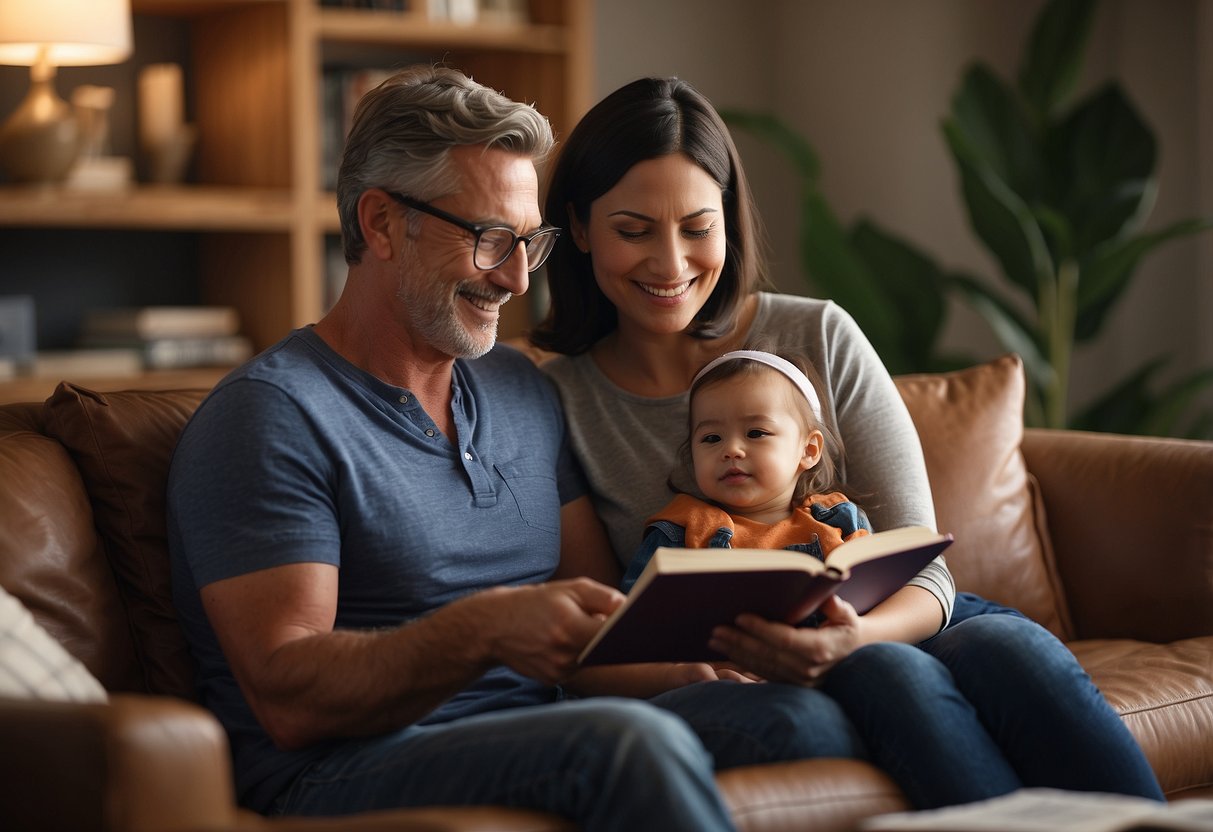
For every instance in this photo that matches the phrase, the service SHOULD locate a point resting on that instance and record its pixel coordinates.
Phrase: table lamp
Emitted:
(40, 141)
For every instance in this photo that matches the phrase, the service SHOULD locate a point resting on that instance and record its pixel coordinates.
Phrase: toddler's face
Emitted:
(749, 445)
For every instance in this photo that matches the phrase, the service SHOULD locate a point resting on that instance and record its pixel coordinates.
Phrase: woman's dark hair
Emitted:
(644, 120)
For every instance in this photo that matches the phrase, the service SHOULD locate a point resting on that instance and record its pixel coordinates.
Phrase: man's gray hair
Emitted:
(405, 128)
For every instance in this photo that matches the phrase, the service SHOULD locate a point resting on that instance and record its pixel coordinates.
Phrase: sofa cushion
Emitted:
(971, 425)
(122, 442)
(33, 665)
(1165, 696)
(50, 555)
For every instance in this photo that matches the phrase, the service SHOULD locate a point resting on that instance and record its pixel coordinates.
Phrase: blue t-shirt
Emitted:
(301, 457)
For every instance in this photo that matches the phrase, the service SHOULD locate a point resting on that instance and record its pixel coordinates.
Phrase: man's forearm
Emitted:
(359, 683)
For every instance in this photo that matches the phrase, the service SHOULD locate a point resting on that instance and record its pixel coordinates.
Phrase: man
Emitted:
(364, 523)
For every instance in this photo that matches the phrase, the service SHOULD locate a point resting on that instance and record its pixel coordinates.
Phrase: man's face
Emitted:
(449, 303)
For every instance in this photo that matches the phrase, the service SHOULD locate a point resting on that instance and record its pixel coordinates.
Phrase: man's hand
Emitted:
(540, 630)
(783, 653)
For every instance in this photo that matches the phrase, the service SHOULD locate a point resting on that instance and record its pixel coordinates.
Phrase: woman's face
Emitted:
(657, 243)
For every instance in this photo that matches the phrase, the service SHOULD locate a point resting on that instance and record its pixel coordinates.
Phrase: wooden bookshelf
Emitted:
(255, 81)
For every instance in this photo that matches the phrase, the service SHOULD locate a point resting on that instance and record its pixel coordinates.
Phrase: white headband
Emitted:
(774, 361)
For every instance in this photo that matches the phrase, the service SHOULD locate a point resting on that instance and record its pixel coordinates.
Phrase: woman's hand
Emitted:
(645, 680)
(687, 673)
(783, 653)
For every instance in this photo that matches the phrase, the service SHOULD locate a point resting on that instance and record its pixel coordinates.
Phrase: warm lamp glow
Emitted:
(40, 141)
(73, 32)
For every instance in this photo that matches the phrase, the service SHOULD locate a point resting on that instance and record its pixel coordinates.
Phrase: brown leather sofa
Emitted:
(1106, 540)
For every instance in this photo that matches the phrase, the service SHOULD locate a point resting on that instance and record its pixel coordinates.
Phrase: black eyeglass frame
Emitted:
(479, 230)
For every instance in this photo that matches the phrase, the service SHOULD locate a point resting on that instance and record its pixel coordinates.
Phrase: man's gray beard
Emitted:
(434, 319)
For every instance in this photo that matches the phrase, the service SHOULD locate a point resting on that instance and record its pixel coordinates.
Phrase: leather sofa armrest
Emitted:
(134, 763)
(157, 764)
(428, 819)
(1131, 524)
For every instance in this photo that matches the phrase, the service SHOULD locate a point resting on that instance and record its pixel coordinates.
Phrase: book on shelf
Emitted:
(683, 594)
(70, 365)
(182, 353)
(1050, 810)
(341, 90)
(149, 322)
(386, 5)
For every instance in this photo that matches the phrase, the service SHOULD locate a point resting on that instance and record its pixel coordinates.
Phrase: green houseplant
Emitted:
(896, 293)
(1059, 192)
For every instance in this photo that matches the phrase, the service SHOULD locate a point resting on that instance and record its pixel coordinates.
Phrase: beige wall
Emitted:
(868, 82)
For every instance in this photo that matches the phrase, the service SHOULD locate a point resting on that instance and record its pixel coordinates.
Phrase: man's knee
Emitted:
(635, 728)
(807, 723)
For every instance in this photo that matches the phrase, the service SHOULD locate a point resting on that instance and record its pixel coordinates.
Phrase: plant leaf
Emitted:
(1054, 55)
(840, 274)
(1171, 404)
(771, 129)
(913, 284)
(1101, 161)
(828, 256)
(1120, 408)
(1001, 218)
(996, 131)
(1014, 333)
(1105, 275)
(1130, 407)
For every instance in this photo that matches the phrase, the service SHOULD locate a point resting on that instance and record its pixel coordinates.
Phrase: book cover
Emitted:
(71, 365)
(148, 322)
(181, 353)
(684, 593)
(185, 353)
(1050, 810)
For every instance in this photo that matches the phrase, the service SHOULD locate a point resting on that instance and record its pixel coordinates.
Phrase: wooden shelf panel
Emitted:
(254, 76)
(190, 8)
(189, 208)
(410, 29)
(327, 219)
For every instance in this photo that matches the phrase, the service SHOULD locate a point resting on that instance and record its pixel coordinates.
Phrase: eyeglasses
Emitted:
(494, 243)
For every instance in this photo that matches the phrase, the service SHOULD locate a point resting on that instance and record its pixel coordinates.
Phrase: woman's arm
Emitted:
(885, 471)
(584, 547)
(910, 615)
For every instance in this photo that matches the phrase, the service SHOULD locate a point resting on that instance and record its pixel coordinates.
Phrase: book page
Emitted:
(859, 549)
(670, 560)
(1050, 810)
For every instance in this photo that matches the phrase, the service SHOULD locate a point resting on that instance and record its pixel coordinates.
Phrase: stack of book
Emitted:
(169, 337)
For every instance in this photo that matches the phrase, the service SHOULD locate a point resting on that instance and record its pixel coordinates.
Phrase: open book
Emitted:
(1050, 810)
(683, 594)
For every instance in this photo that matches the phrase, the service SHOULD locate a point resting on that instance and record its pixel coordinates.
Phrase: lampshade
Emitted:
(41, 140)
(72, 32)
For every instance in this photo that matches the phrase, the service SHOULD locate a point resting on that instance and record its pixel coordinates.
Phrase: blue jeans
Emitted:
(991, 704)
(750, 724)
(607, 764)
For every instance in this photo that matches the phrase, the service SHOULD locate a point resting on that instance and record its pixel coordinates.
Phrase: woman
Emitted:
(662, 276)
